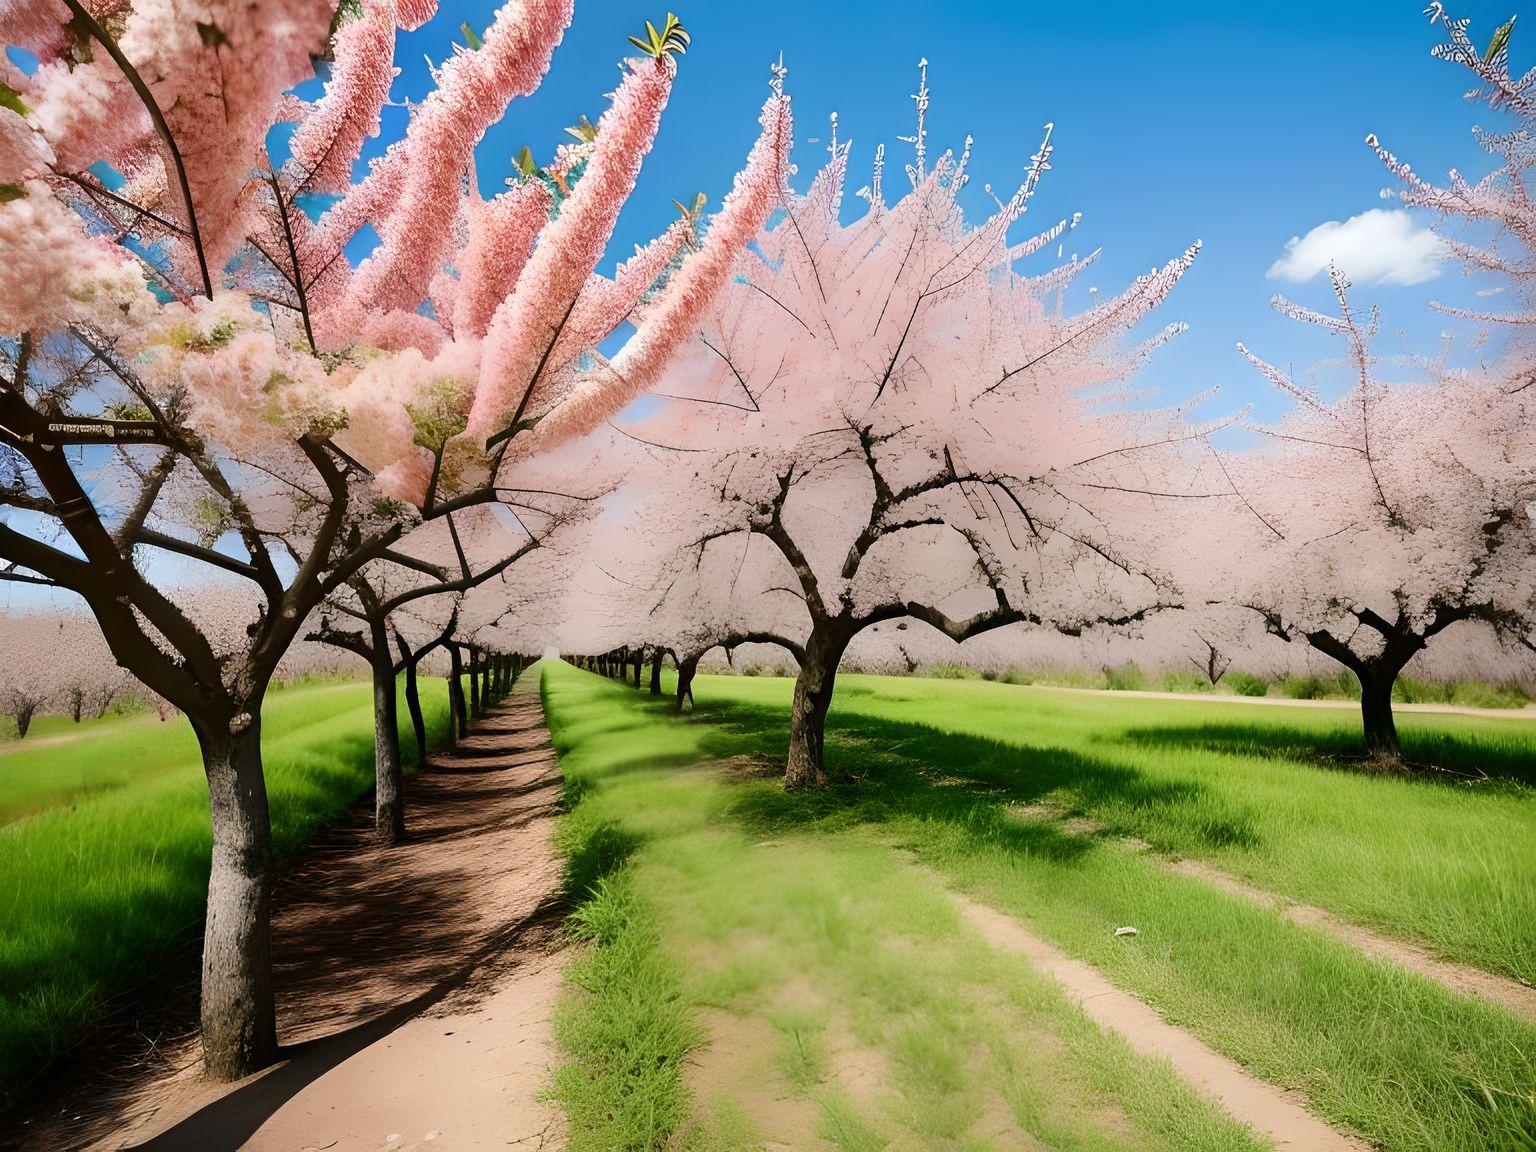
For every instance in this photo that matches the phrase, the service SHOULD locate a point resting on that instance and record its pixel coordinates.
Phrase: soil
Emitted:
(415, 984)
(1506, 991)
(1266, 1108)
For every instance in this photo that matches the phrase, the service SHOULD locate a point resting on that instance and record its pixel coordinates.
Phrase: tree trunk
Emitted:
(686, 667)
(388, 780)
(1376, 682)
(805, 767)
(657, 657)
(475, 708)
(639, 659)
(239, 1020)
(418, 721)
(458, 718)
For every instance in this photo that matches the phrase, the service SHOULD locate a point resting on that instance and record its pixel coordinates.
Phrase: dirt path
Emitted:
(415, 982)
(1463, 978)
(1526, 713)
(1269, 1109)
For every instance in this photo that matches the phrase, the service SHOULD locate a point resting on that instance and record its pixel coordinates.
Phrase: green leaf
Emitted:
(525, 162)
(9, 192)
(673, 38)
(474, 41)
(10, 98)
(1500, 40)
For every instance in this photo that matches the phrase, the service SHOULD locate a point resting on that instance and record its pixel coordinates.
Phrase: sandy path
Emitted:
(1463, 978)
(415, 982)
(1270, 1110)
(1526, 713)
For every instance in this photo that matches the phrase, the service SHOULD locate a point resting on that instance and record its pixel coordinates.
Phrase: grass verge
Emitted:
(981, 781)
(844, 1003)
(109, 874)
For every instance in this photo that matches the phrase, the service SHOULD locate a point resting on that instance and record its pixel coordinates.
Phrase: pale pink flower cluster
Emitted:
(524, 341)
(1401, 498)
(379, 430)
(218, 68)
(24, 154)
(295, 341)
(53, 274)
(88, 111)
(667, 325)
(331, 135)
(247, 389)
(35, 25)
(415, 186)
(604, 301)
(902, 342)
(502, 231)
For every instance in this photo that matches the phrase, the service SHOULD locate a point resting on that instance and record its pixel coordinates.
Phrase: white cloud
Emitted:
(1380, 246)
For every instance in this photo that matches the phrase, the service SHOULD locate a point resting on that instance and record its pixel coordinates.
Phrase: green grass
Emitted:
(975, 780)
(1131, 677)
(104, 863)
(820, 950)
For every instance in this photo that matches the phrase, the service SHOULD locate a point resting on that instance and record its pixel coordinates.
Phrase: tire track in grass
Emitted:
(1269, 1110)
(1462, 978)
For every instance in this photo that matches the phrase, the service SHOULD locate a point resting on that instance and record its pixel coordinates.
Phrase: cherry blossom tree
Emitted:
(249, 401)
(885, 418)
(1372, 523)
(374, 611)
(1496, 214)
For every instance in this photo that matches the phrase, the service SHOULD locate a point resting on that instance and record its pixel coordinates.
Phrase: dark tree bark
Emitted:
(686, 668)
(1377, 674)
(23, 709)
(658, 657)
(476, 709)
(409, 660)
(459, 718)
(238, 1013)
(638, 659)
(388, 777)
(806, 765)
(1376, 682)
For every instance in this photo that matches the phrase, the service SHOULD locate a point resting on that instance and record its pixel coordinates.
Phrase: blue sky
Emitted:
(1241, 125)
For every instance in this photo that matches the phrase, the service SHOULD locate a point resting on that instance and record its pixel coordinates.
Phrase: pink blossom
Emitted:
(528, 324)
(87, 111)
(53, 274)
(330, 136)
(502, 231)
(23, 153)
(218, 70)
(414, 187)
(758, 187)
(36, 25)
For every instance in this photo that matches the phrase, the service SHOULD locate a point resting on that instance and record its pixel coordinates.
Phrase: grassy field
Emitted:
(104, 846)
(790, 925)
(1339, 686)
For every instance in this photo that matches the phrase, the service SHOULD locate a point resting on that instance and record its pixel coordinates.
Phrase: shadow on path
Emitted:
(365, 939)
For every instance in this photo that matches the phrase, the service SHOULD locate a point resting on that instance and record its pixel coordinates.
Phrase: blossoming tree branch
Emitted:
(292, 419)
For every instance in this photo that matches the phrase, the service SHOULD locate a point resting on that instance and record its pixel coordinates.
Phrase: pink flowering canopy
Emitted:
(441, 338)
(1398, 509)
(886, 410)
